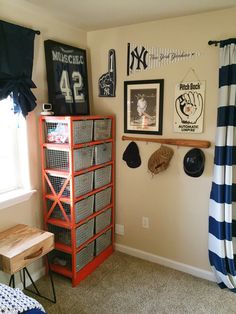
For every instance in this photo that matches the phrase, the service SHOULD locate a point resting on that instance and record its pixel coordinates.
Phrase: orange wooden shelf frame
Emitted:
(57, 197)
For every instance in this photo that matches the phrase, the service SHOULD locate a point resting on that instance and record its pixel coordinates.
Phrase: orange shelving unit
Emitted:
(77, 154)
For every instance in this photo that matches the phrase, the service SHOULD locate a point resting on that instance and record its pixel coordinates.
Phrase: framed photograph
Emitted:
(67, 78)
(143, 106)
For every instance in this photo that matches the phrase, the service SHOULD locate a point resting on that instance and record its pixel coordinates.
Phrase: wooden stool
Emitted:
(22, 245)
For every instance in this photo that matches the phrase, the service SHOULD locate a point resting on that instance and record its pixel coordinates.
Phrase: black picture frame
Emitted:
(143, 106)
(67, 78)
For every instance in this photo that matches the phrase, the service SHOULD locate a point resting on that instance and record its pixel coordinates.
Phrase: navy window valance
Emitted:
(16, 63)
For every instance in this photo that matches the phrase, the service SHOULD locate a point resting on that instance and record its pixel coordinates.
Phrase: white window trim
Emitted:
(15, 197)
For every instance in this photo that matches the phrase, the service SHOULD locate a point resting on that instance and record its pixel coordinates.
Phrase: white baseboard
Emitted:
(197, 272)
(35, 276)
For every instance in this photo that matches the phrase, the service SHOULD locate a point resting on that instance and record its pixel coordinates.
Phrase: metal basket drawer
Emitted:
(83, 158)
(83, 183)
(57, 213)
(57, 183)
(102, 199)
(103, 220)
(84, 232)
(60, 258)
(84, 208)
(84, 256)
(62, 235)
(56, 132)
(57, 159)
(103, 153)
(102, 176)
(102, 242)
(102, 129)
(82, 131)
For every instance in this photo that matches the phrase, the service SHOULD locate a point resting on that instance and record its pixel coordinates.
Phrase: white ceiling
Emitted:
(98, 14)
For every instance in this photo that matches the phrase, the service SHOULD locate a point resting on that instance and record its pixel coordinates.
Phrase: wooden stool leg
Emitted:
(12, 281)
(51, 279)
(25, 270)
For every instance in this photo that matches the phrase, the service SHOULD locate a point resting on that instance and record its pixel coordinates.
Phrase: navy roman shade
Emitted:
(16, 63)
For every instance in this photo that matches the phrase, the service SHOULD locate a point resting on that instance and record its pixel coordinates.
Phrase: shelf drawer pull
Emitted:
(35, 254)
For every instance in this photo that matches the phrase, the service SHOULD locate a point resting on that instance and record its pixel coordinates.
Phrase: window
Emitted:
(14, 166)
(9, 162)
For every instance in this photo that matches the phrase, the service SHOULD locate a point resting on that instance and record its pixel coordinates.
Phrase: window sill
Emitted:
(15, 197)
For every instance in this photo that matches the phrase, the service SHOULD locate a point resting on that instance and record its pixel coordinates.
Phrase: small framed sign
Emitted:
(143, 106)
(67, 78)
(189, 107)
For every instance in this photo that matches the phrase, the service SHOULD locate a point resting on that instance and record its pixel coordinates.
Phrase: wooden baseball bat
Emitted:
(170, 141)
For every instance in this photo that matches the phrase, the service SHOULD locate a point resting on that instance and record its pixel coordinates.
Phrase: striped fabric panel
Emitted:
(222, 207)
(225, 155)
(227, 95)
(220, 264)
(224, 280)
(226, 116)
(222, 230)
(223, 193)
(222, 248)
(227, 75)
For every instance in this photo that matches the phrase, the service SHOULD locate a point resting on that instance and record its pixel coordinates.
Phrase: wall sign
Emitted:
(143, 57)
(67, 78)
(107, 82)
(189, 107)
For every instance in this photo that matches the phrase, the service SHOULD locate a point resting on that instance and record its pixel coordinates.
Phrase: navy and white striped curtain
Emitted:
(222, 209)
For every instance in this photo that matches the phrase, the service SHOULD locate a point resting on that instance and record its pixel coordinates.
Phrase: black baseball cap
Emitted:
(131, 155)
(194, 162)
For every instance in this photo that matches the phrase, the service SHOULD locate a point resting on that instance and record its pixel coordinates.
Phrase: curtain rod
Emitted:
(37, 32)
(213, 42)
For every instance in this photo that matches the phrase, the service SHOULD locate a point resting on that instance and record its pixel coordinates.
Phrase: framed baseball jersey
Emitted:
(67, 78)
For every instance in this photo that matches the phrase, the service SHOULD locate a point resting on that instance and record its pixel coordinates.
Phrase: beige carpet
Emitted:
(128, 285)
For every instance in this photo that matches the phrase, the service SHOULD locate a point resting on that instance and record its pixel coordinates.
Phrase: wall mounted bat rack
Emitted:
(171, 141)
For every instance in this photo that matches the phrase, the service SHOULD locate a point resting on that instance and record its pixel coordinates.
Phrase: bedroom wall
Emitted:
(176, 204)
(22, 13)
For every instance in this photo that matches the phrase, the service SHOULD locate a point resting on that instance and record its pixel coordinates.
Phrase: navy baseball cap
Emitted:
(194, 162)
(131, 155)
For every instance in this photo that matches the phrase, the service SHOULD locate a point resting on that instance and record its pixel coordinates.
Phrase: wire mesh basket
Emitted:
(60, 258)
(103, 153)
(83, 183)
(84, 208)
(102, 242)
(82, 233)
(62, 235)
(102, 176)
(56, 132)
(57, 183)
(57, 213)
(102, 129)
(102, 199)
(83, 158)
(57, 159)
(82, 131)
(85, 256)
(103, 220)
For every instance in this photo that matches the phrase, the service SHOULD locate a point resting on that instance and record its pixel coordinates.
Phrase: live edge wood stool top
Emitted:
(21, 245)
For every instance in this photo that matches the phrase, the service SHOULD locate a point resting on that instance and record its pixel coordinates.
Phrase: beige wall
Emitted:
(177, 205)
(21, 13)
